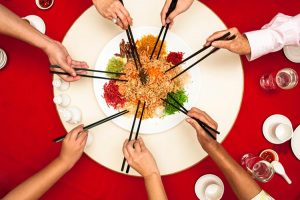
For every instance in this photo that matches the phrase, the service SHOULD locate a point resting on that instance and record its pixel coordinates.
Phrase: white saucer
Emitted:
(292, 53)
(204, 181)
(295, 142)
(270, 124)
(37, 22)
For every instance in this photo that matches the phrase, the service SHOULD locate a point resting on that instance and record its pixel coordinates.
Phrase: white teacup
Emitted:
(283, 132)
(213, 192)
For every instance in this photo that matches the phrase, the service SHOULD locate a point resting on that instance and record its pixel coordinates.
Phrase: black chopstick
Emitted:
(202, 58)
(202, 124)
(131, 132)
(90, 70)
(199, 51)
(171, 9)
(61, 138)
(138, 130)
(89, 76)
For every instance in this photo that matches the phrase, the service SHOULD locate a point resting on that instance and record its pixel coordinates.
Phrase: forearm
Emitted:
(240, 181)
(14, 26)
(37, 185)
(155, 188)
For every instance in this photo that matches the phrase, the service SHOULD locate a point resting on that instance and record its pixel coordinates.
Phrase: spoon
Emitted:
(280, 170)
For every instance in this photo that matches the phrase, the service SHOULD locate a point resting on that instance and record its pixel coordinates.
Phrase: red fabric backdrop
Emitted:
(29, 120)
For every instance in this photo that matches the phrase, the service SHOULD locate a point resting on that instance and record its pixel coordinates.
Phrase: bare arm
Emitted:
(35, 186)
(240, 181)
(13, 26)
(140, 158)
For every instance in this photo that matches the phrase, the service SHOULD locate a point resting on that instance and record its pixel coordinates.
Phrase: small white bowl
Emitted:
(40, 7)
(270, 125)
(3, 58)
(37, 22)
(292, 53)
(204, 183)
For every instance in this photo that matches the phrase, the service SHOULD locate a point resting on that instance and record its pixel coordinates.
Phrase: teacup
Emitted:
(213, 192)
(283, 132)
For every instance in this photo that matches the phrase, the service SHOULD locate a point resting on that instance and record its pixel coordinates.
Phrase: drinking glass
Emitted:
(286, 78)
(260, 169)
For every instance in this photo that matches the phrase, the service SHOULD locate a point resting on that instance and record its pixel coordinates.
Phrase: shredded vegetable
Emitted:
(180, 96)
(115, 65)
(175, 57)
(112, 95)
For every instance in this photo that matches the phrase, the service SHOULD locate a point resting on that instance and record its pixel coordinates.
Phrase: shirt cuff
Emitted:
(260, 42)
(262, 196)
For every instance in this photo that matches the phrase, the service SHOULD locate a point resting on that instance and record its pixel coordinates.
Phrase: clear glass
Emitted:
(260, 169)
(286, 78)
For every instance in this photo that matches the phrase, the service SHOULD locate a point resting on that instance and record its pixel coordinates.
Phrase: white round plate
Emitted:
(270, 124)
(153, 125)
(37, 22)
(295, 142)
(292, 53)
(221, 81)
(204, 181)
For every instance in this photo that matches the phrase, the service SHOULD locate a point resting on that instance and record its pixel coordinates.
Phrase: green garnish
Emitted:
(180, 96)
(114, 65)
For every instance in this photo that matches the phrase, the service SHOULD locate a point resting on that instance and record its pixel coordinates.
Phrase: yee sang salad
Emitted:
(125, 95)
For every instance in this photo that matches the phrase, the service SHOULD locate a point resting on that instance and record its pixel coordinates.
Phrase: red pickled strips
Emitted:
(112, 95)
(45, 3)
(175, 57)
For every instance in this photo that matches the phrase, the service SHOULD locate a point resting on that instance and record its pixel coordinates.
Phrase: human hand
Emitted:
(239, 45)
(114, 9)
(139, 157)
(204, 139)
(182, 5)
(73, 146)
(58, 55)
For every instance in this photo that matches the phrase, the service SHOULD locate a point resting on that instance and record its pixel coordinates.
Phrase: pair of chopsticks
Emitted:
(89, 76)
(224, 37)
(135, 54)
(131, 131)
(182, 109)
(171, 9)
(61, 138)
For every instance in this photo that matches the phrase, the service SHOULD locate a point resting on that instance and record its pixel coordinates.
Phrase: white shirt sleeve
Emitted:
(281, 31)
(262, 196)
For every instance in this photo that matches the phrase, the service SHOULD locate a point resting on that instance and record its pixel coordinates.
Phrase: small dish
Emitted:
(3, 58)
(37, 22)
(292, 53)
(206, 180)
(38, 4)
(269, 155)
(295, 142)
(270, 125)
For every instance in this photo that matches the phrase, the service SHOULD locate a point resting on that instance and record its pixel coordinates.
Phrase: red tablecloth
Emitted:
(29, 120)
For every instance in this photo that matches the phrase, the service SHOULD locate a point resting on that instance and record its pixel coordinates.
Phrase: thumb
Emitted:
(221, 44)
(172, 15)
(193, 123)
(67, 68)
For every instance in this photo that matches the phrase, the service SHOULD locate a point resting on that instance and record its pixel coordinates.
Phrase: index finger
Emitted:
(164, 12)
(216, 35)
(74, 132)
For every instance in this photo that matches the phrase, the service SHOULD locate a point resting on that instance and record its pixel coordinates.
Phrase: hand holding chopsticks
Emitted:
(132, 129)
(182, 109)
(61, 138)
(89, 76)
(224, 37)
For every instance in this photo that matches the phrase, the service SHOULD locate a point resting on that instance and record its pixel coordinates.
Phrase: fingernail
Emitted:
(73, 74)
(168, 21)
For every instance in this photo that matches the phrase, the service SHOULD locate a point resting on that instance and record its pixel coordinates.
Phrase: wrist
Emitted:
(210, 146)
(65, 163)
(152, 175)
